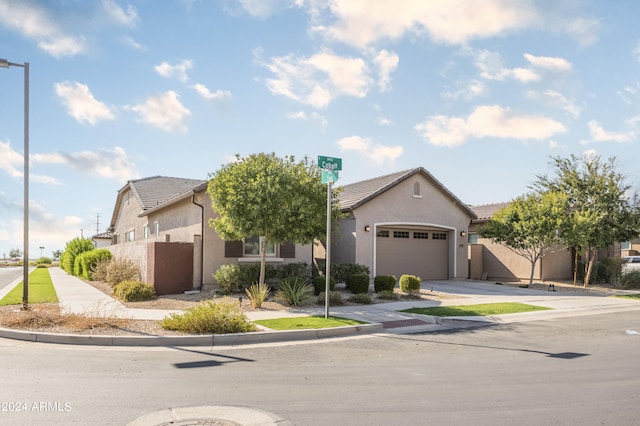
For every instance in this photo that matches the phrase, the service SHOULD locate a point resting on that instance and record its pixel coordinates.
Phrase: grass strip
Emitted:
(480, 310)
(40, 289)
(629, 296)
(303, 323)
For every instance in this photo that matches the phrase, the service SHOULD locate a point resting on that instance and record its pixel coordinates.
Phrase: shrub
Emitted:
(73, 249)
(209, 318)
(44, 261)
(42, 265)
(134, 291)
(100, 270)
(387, 295)
(410, 283)
(297, 269)
(343, 271)
(359, 283)
(630, 280)
(335, 298)
(85, 262)
(257, 294)
(228, 278)
(119, 270)
(384, 283)
(320, 284)
(361, 298)
(294, 291)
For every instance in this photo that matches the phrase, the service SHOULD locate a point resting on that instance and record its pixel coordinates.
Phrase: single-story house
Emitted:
(403, 223)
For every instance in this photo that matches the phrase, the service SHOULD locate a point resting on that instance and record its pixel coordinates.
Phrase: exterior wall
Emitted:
(170, 267)
(398, 206)
(135, 251)
(343, 245)
(634, 248)
(127, 218)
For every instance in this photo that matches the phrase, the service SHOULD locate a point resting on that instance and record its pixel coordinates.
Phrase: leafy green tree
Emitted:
(601, 209)
(56, 254)
(275, 198)
(530, 226)
(72, 250)
(15, 253)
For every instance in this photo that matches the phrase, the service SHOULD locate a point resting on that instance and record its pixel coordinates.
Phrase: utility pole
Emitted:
(98, 223)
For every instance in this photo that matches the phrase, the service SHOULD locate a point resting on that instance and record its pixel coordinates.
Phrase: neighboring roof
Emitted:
(157, 192)
(356, 194)
(486, 211)
(102, 236)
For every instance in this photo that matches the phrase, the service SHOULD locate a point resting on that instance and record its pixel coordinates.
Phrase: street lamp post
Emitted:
(25, 266)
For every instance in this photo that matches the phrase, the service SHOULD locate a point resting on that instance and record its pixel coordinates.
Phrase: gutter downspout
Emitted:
(193, 200)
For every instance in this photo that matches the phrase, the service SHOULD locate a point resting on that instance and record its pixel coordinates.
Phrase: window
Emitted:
(253, 245)
(400, 234)
(130, 236)
(439, 235)
(625, 245)
(145, 232)
(416, 190)
(473, 238)
(382, 234)
(156, 231)
(421, 235)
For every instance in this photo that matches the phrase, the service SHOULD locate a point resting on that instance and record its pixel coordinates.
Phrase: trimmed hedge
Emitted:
(384, 283)
(342, 272)
(320, 284)
(359, 283)
(410, 283)
(134, 291)
(85, 263)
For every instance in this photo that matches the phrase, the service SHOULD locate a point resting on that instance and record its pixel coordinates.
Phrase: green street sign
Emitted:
(329, 163)
(329, 176)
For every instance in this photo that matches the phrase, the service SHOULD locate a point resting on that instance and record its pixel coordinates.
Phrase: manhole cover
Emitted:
(206, 422)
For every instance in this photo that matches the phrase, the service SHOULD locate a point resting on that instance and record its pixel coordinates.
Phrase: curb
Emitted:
(200, 340)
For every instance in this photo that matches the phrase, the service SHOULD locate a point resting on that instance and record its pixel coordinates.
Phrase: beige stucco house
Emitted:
(161, 223)
(403, 223)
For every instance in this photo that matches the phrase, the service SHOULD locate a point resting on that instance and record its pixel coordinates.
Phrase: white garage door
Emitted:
(424, 253)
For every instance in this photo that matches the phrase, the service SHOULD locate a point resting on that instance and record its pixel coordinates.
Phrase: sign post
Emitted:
(330, 167)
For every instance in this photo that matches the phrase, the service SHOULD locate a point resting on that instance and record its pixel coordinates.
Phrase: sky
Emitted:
(481, 93)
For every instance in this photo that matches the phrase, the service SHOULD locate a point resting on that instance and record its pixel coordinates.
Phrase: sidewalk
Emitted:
(77, 296)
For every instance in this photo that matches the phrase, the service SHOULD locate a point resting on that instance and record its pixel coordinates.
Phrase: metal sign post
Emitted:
(330, 167)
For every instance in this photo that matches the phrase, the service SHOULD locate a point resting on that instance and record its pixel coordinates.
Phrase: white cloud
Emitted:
(318, 79)
(598, 134)
(584, 31)
(127, 18)
(492, 121)
(361, 22)
(523, 75)
(298, 115)
(547, 62)
(34, 23)
(387, 63)
(377, 153)
(178, 70)
(106, 163)
(256, 8)
(301, 115)
(383, 121)
(129, 41)
(556, 99)
(10, 159)
(467, 90)
(218, 95)
(491, 67)
(164, 111)
(81, 104)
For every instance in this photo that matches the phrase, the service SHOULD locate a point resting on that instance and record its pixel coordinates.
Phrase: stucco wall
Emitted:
(398, 205)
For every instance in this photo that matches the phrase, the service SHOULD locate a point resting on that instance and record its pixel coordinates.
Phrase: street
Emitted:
(581, 370)
(9, 274)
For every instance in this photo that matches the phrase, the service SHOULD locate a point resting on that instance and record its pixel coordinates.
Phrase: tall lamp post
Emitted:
(25, 265)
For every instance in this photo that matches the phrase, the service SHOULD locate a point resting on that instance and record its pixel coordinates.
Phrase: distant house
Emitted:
(498, 262)
(102, 240)
(630, 248)
(404, 223)
(161, 223)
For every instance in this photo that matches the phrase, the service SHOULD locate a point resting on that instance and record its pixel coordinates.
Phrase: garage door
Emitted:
(424, 253)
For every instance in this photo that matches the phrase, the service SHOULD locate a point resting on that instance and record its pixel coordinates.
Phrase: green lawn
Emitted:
(40, 289)
(476, 310)
(629, 296)
(302, 323)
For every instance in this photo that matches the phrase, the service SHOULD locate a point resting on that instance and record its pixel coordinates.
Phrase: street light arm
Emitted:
(6, 64)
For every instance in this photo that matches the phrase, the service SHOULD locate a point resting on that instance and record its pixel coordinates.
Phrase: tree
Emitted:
(600, 207)
(15, 253)
(56, 254)
(530, 226)
(276, 199)
(72, 250)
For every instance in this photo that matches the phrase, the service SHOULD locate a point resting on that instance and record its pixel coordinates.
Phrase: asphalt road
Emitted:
(574, 371)
(9, 274)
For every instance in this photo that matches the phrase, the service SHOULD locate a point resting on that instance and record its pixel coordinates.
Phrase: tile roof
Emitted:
(486, 211)
(356, 194)
(103, 236)
(156, 190)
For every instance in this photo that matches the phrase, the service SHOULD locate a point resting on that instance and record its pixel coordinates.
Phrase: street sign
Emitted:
(329, 176)
(329, 163)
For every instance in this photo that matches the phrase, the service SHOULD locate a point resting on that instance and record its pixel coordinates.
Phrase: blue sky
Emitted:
(482, 93)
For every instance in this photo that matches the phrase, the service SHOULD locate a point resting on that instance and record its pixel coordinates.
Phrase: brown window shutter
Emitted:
(233, 249)
(288, 250)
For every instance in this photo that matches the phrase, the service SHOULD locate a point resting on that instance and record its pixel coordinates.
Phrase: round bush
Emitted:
(359, 283)
(320, 284)
(210, 318)
(361, 298)
(229, 278)
(410, 283)
(384, 283)
(335, 298)
(134, 291)
(630, 280)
